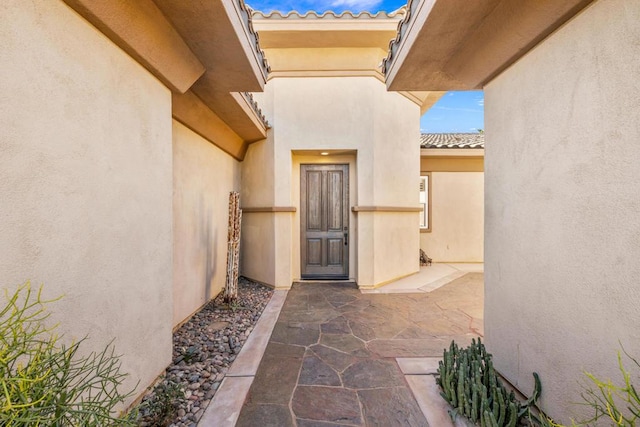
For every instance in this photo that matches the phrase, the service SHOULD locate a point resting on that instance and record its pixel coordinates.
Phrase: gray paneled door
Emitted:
(324, 227)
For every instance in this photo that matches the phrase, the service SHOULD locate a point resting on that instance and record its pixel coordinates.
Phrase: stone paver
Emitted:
(317, 372)
(333, 404)
(388, 407)
(331, 360)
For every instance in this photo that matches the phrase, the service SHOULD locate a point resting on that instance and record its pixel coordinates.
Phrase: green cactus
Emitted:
(513, 414)
(489, 419)
(475, 406)
(471, 385)
(502, 408)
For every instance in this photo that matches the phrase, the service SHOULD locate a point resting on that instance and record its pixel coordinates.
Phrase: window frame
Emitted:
(427, 211)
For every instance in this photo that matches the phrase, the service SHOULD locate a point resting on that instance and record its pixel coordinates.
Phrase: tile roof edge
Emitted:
(247, 15)
(395, 43)
(451, 140)
(256, 109)
(294, 14)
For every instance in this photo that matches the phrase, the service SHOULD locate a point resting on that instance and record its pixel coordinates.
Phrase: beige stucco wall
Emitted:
(379, 130)
(203, 176)
(457, 218)
(85, 183)
(562, 223)
(258, 246)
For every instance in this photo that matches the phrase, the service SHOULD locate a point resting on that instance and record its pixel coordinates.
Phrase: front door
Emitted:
(324, 228)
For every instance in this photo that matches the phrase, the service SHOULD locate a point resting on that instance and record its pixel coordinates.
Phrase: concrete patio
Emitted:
(327, 354)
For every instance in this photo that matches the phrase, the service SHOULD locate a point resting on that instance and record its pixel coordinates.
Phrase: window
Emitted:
(425, 205)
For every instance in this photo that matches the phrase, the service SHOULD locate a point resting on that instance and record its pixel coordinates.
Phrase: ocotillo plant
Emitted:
(233, 248)
(470, 384)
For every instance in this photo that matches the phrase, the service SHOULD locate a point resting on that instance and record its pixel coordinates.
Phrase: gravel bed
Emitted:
(203, 350)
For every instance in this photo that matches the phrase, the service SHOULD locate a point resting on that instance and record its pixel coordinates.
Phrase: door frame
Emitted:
(346, 170)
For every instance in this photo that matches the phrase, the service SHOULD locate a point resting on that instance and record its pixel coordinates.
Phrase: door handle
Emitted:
(346, 238)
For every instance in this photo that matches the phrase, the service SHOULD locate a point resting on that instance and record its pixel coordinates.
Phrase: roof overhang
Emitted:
(461, 45)
(208, 49)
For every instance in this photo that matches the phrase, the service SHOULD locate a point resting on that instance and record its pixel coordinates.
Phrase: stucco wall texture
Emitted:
(258, 256)
(457, 218)
(203, 177)
(85, 183)
(562, 223)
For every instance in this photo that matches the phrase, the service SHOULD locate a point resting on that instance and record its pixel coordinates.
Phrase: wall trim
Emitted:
(385, 209)
(326, 73)
(268, 209)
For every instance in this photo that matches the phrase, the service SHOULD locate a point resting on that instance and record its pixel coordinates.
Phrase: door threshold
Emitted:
(317, 281)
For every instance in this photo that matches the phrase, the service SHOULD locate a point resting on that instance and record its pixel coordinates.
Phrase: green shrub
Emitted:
(45, 382)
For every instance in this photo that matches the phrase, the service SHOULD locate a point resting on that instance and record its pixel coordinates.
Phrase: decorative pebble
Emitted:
(202, 354)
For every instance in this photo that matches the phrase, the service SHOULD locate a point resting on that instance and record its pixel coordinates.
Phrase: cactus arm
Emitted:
(501, 408)
(513, 415)
(474, 402)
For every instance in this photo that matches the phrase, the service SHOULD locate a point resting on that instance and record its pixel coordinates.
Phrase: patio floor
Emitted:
(340, 357)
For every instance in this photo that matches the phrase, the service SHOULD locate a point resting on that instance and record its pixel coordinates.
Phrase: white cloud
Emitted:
(481, 102)
(356, 5)
(466, 110)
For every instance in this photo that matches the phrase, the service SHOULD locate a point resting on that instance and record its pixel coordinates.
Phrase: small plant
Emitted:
(161, 406)
(191, 354)
(45, 382)
(235, 305)
(470, 384)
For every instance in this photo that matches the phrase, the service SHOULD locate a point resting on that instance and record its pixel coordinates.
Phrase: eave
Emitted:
(220, 34)
(461, 45)
(192, 112)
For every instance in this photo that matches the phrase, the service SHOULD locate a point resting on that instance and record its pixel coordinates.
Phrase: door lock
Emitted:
(346, 238)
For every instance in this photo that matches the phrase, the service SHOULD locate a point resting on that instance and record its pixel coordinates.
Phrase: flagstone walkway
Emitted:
(331, 359)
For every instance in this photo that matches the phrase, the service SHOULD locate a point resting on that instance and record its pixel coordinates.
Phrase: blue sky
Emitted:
(454, 112)
(324, 5)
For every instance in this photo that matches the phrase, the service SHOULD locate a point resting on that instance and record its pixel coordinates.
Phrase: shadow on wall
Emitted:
(207, 246)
